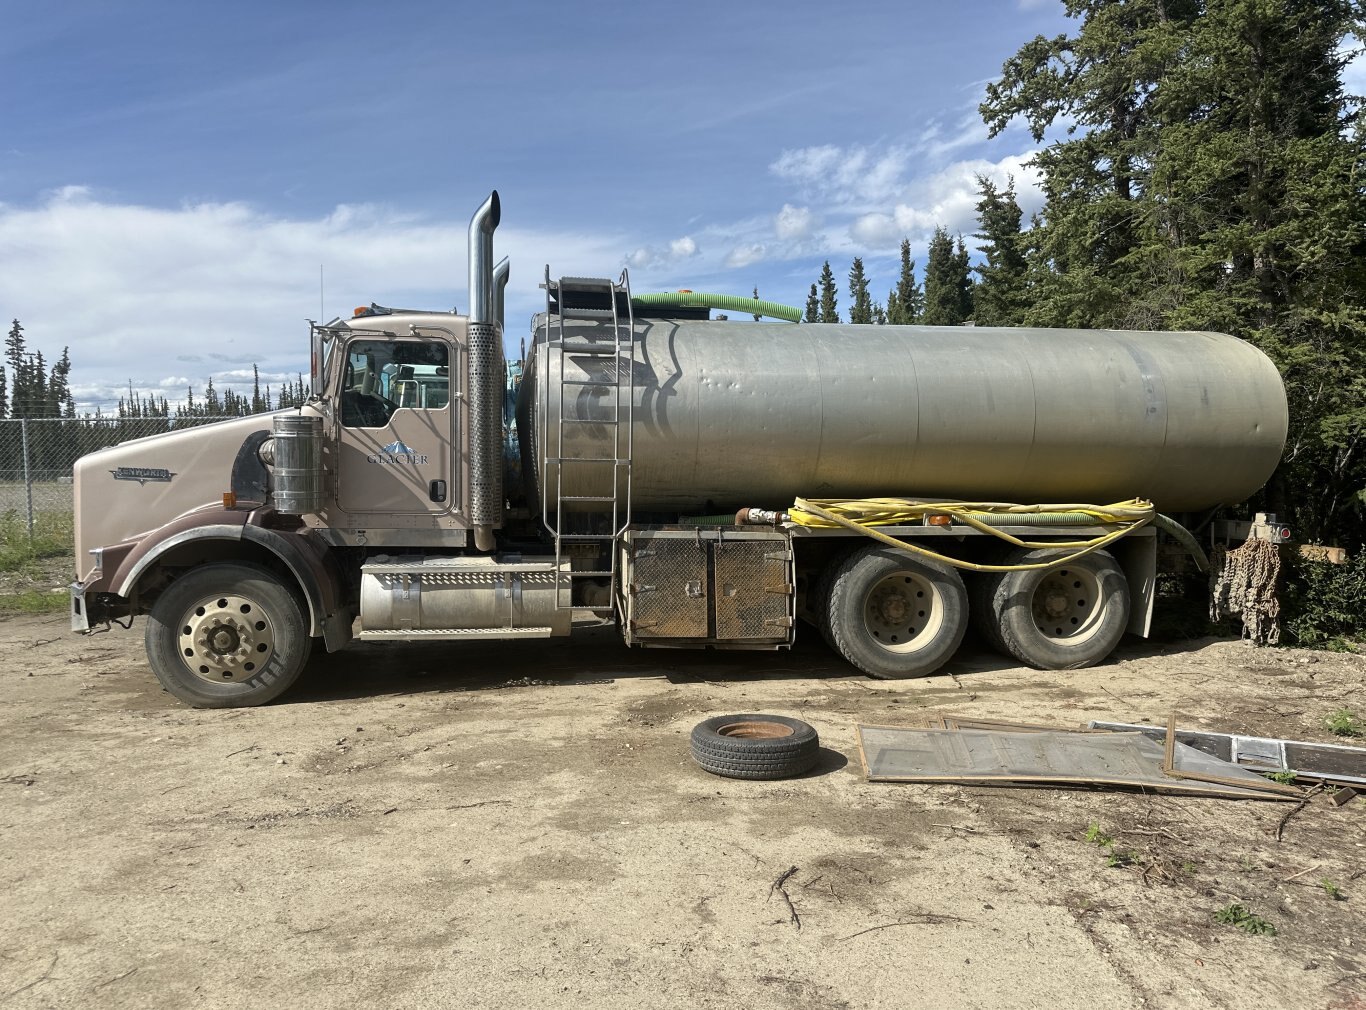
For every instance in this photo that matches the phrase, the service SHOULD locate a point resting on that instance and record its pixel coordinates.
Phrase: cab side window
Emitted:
(384, 376)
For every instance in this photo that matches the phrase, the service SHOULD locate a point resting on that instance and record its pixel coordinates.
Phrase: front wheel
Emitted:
(227, 636)
(894, 615)
(1061, 618)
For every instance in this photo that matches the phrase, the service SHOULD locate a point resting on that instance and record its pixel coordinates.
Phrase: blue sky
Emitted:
(174, 175)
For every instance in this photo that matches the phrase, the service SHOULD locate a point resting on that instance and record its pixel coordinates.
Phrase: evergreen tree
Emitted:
(58, 386)
(4, 395)
(948, 293)
(909, 302)
(37, 386)
(813, 307)
(17, 359)
(829, 300)
(258, 405)
(860, 303)
(999, 295)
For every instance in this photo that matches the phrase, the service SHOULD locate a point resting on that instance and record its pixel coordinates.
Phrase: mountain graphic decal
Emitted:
(397, 448)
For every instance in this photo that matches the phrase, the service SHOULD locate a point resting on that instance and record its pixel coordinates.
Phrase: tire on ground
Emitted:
(227, 636)
(755, 746)
(894, 615)
(1061, 618)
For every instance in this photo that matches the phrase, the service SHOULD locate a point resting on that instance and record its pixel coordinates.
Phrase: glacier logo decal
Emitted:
(396, 453)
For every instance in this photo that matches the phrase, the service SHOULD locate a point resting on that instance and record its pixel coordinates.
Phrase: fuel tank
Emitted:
(731, 414)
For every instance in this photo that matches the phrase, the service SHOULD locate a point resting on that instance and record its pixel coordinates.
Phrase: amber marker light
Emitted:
(229, 500)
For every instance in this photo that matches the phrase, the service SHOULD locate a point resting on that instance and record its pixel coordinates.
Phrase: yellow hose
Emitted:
(863, 515)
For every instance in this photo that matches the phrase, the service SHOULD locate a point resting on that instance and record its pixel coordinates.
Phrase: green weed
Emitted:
(1345, 722)
(1096, 836)
(1332, 890)
(1237, 915)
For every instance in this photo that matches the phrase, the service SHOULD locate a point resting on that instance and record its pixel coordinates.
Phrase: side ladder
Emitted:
(599, 476)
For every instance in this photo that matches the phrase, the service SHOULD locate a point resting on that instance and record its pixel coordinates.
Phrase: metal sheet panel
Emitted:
(666, 587)
(1062, 758)
(753, 580)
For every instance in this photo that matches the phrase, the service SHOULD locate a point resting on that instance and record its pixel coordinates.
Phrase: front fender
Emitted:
(314, 569)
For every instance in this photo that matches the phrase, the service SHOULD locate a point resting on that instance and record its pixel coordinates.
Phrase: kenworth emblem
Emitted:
(142, 474)
(398, 454)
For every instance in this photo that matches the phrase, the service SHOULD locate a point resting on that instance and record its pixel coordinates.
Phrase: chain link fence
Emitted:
(36, 457)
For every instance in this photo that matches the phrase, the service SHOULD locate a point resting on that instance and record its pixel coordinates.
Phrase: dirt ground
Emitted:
(519, 824)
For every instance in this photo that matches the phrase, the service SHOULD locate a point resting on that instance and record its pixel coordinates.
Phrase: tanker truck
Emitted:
(693, 481)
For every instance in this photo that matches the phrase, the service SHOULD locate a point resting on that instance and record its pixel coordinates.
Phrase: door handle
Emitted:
(437, 490)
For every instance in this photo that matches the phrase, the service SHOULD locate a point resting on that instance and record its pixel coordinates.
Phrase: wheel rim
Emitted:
(1067, 606)
(756, 730)
(903, 612)
(226, 638)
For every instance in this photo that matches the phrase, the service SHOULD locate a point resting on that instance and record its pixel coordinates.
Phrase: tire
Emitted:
(1062, 618)
(227, 636)
(981, 586)
(755, 746)
(894, 615)
(819, 604)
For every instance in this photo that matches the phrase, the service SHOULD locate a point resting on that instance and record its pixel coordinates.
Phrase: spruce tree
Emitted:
(860, 303)
(999, 295)
(58, 386)
(813, 307)
(829, 300)
(18, 369)
(909, 299)
(948, 297)
(4, 395)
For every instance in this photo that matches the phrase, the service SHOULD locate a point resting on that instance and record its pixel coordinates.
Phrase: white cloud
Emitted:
(745, 255)
(682, 248)
(647, 257)
(843, 174)
(794, 223)
(220, 286)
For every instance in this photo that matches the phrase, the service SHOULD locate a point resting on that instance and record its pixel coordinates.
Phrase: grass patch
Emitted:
(53, 537)
(1237, 915)
(33, 602)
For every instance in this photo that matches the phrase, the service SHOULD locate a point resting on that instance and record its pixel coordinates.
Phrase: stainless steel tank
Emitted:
(730, 414)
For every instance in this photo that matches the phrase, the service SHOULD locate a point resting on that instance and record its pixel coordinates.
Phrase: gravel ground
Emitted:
(519, 824)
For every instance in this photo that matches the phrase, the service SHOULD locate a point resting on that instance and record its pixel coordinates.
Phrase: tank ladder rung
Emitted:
(600, 497)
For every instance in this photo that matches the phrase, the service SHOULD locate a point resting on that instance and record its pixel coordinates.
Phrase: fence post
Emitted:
(28, 483)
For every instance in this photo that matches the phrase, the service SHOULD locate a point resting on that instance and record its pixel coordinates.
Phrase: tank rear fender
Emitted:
(297, 557)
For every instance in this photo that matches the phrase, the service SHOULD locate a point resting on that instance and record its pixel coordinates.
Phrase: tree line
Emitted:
(1202, 168)
(29, 388)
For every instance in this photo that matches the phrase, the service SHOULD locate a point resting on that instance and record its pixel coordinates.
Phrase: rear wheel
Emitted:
(894, 615)
(227, 636)
(1061, 618)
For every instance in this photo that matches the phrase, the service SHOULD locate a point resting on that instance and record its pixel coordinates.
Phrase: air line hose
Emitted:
(731, 303)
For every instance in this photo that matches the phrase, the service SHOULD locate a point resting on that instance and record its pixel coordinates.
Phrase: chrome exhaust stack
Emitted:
(500, 283)
(486, 376)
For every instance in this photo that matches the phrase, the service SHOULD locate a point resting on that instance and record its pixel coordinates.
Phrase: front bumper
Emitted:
(80, 615)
